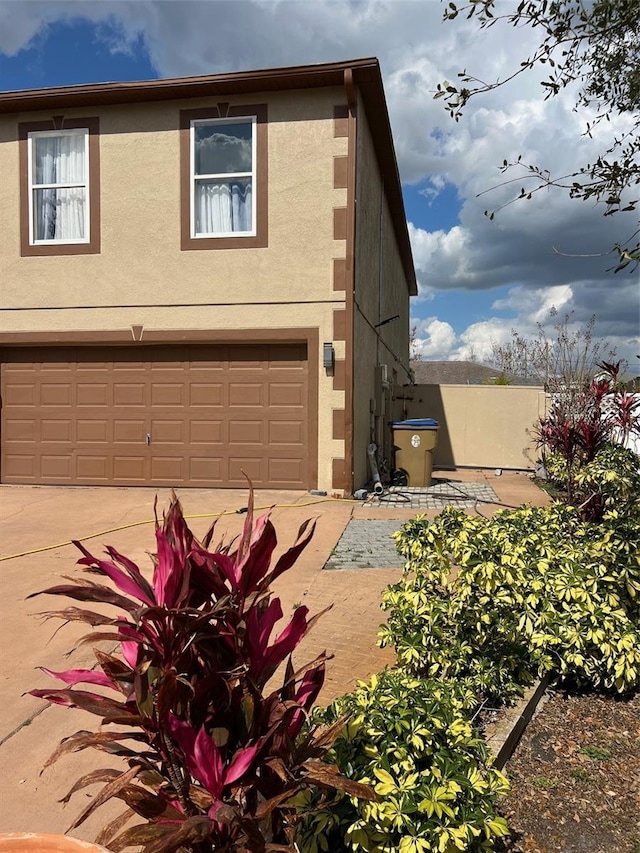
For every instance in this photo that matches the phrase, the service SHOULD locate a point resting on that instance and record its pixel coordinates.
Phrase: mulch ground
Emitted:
(575, 778)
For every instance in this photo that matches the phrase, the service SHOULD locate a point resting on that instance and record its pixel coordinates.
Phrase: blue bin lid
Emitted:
(416, 423)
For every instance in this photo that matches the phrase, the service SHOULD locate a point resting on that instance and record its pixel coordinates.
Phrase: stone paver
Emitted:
(366, 544)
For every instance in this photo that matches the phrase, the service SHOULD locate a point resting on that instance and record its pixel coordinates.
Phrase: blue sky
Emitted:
(66, 53)
(478, 279)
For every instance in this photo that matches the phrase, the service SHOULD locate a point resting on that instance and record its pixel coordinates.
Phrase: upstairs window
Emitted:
(59, 187)
(223, 156)
(223, 152)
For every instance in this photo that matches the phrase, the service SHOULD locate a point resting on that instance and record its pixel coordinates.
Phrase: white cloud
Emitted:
(536, 305)
(434, 339)
(532, 309)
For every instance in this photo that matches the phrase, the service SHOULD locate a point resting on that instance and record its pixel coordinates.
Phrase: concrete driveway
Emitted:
(36, 517)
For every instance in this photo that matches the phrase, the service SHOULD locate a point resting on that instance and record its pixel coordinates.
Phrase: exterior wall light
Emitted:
(328, 357)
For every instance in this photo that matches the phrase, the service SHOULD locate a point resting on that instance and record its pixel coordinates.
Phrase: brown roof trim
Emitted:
(366, 76)
(263, 80)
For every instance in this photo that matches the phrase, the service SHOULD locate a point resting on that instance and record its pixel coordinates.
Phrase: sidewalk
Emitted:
(35, 517)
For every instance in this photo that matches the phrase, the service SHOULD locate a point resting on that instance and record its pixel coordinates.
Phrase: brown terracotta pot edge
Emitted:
(42, 842)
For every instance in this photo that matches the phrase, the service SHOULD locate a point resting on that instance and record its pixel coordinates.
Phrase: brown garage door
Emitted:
(157, 415)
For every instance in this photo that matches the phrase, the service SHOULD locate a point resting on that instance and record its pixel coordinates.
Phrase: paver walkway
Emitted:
(366, 544)
(437, 496)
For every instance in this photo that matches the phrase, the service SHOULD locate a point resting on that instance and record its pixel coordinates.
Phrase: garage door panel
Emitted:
(207, 470)
(20, 395)
(82, 415)
(245, 394)
(167, 394)
(92, 394)
(206, 394)
(129, 430)
(59, 367)
(167, 469)
(93, 468)
(99, 367)
(20, 467)
(281, 471)
(21, 430)
(56, 467)
(55, 430)
(96, 430)
(286, 432)
(167, 364)
(124, 363)
(206, 432)
(55, 394)
(19, 366)
(129, 394)
(288, 394)
(246, 432)
(167, 432)
(130, 469)
(253, 467)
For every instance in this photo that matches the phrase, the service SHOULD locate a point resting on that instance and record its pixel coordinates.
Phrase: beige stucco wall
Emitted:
(140, 207)
(381, 291)
(141, 277)
(483, 426)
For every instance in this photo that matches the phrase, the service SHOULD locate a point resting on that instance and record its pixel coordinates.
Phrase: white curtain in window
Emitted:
(222, 208)
(60, 211)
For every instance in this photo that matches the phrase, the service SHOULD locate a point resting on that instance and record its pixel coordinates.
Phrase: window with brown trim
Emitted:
(59, 187)
(223, 177)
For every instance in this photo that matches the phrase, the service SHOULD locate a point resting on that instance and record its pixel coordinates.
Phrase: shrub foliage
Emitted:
(493, 602)
(412, 740)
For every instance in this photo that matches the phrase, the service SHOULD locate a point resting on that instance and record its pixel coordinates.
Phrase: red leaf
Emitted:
(241, 762)
(328, 776)
(264, 622)
(286, 643)
(253, 567)
(75, 614)
(212, 566)
(168, 574)
(182, 733)
(92, 702)
(188, 834)
(289, 557)
(131, 567)
(98, 740)
(92, 778)
(110, 790)
(121, 579)
(78, 676)
(89, 591)
(305, 697)
(206, 764)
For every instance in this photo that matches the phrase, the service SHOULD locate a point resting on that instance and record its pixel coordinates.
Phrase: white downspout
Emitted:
(375, 476)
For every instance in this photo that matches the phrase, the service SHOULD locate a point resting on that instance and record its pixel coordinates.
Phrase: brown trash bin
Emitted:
(414, 442)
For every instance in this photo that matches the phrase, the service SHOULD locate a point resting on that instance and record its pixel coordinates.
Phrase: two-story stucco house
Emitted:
(201, 277)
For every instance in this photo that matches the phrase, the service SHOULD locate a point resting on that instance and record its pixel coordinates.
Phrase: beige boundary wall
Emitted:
(484, 426)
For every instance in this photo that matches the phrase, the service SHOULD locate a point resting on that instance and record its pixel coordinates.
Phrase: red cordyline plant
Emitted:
(215, 757)
(600, 414)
